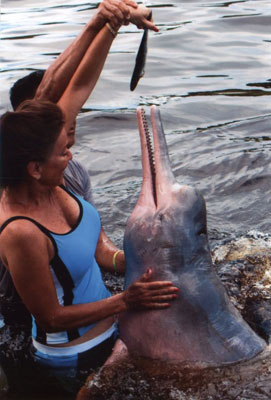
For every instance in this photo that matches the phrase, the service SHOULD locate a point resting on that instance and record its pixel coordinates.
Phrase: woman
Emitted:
(48, 236)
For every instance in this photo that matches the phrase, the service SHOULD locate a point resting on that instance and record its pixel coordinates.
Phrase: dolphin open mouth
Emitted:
(157, 174)
(146, 141)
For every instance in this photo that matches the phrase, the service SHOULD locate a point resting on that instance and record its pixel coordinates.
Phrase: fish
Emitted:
(139, 68)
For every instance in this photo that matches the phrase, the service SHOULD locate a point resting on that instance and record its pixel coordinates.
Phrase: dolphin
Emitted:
(167, 232)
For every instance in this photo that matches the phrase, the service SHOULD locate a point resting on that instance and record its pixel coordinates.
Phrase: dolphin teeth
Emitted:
(150, 148)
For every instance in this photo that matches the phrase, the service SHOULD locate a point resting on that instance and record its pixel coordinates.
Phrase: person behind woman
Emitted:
(49, 237)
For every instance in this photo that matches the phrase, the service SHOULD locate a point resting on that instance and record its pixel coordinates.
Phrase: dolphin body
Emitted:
(167, 231)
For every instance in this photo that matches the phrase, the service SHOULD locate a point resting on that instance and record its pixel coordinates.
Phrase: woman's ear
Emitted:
(34, 169)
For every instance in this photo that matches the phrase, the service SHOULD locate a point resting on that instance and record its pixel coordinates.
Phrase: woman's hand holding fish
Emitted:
(116, 12)
(123, 12)
(139, 17)
(145, 294)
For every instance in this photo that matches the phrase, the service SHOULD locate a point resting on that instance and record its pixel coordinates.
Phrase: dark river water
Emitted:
(209, 71)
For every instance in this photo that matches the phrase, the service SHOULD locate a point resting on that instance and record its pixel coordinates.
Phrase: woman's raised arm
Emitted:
(60, 72)
(86, 75)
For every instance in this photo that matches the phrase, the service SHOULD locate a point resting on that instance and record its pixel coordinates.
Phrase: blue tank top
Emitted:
(76, 274)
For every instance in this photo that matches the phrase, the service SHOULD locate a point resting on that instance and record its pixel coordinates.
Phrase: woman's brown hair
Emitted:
(27, 134)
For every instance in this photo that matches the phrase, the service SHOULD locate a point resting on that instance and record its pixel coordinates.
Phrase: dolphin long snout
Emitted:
(158, 178)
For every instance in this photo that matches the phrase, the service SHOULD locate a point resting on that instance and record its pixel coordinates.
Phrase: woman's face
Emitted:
(71, 135)
(52, 170)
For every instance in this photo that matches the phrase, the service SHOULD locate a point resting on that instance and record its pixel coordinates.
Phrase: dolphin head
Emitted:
(168, 224)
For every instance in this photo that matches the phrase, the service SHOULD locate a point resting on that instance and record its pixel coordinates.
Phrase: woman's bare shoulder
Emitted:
(22, 235)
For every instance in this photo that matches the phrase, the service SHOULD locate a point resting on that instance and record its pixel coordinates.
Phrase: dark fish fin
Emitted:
(140, 59)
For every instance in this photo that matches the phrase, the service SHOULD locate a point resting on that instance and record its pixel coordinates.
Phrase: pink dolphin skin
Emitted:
(167, 231)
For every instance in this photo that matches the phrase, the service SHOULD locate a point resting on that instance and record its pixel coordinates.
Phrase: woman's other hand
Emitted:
(143, 294)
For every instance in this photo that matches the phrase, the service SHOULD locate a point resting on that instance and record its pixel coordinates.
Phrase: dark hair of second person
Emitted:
(25, 88)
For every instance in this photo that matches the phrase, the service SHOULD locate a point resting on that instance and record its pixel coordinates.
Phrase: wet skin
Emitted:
(167, 231)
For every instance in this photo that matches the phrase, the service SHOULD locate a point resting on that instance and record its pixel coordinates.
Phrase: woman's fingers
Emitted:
(158, 295)
(160, 291)
(159, 285)
(116, 12)
(131, 3)
(122, 12)
(157, 306)
(149, 25)
(145, 294)
(139, 17)
(146, 276)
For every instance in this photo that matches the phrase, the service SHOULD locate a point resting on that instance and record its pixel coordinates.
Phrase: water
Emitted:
(209, 71)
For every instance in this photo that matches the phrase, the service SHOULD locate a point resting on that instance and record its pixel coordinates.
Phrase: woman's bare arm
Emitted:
(105, 252)
(85, 78)
(60, 72)
(86, 75)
